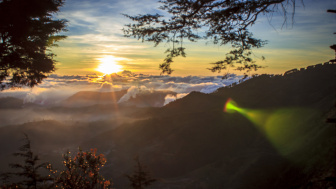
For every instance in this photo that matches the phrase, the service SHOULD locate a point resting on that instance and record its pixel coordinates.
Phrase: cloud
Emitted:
(103, 16)
(56, 88)
(210, 88)
(170, 98)
(49, 96)
(95, 29)
(109, 87)
(132, 92)
(148, 90)
(206, 84)
(53, 90)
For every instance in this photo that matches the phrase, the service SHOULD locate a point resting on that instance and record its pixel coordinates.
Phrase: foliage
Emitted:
(29, 171)
(82, 171)
(224, 22)
(140, 178)
(333, 47)
(27, 31)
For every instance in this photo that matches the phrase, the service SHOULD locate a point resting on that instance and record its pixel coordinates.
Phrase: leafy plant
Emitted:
(82, 171)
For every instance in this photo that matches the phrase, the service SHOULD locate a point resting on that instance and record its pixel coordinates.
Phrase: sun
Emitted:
(109, 65)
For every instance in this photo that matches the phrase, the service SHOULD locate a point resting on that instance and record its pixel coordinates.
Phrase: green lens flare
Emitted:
(231, 107)
(285, 128)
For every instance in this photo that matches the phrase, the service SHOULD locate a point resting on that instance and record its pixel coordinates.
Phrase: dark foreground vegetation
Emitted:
(281, 140)
(81, 171)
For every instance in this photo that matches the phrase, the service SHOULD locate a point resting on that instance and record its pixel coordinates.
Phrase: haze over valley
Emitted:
(178, 126)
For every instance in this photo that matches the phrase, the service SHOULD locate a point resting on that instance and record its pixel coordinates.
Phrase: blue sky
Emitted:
(95, 32)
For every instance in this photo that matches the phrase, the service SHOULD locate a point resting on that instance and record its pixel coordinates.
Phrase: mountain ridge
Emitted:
(188, 134)
(193, 143)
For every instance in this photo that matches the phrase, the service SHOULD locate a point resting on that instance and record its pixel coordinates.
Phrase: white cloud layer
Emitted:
(132, 93)
(57, 88)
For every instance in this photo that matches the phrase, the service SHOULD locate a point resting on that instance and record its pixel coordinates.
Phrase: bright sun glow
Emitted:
(109, 65)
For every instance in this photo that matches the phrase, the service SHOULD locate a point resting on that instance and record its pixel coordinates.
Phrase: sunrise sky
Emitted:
(95, 37)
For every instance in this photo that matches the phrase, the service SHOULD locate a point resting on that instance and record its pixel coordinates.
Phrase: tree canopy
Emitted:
(140, 178)
(27, 30)
(29, 171)
(333, 47)
(224, 22)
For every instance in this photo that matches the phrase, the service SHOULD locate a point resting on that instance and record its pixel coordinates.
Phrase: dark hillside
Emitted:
(280, 138)
(195, 102)
(300, 88)
(192, 143)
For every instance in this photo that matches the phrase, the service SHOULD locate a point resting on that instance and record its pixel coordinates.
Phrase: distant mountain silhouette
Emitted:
(142, 99)
(10, 103)
(84, 98)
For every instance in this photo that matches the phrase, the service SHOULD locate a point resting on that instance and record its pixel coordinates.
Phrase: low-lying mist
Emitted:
(277, 137)
(93, 98)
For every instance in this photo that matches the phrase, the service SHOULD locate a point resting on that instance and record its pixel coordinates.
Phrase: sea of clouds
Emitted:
(56, 88)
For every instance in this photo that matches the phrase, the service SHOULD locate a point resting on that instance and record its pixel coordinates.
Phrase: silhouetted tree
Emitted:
(27, 29)
(28, 171)
(333, 47)
(82, 171)
(140, 178)
(224, 22)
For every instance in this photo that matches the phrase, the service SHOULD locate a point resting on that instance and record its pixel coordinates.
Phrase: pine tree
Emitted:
(27, 171)
(140, 178)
